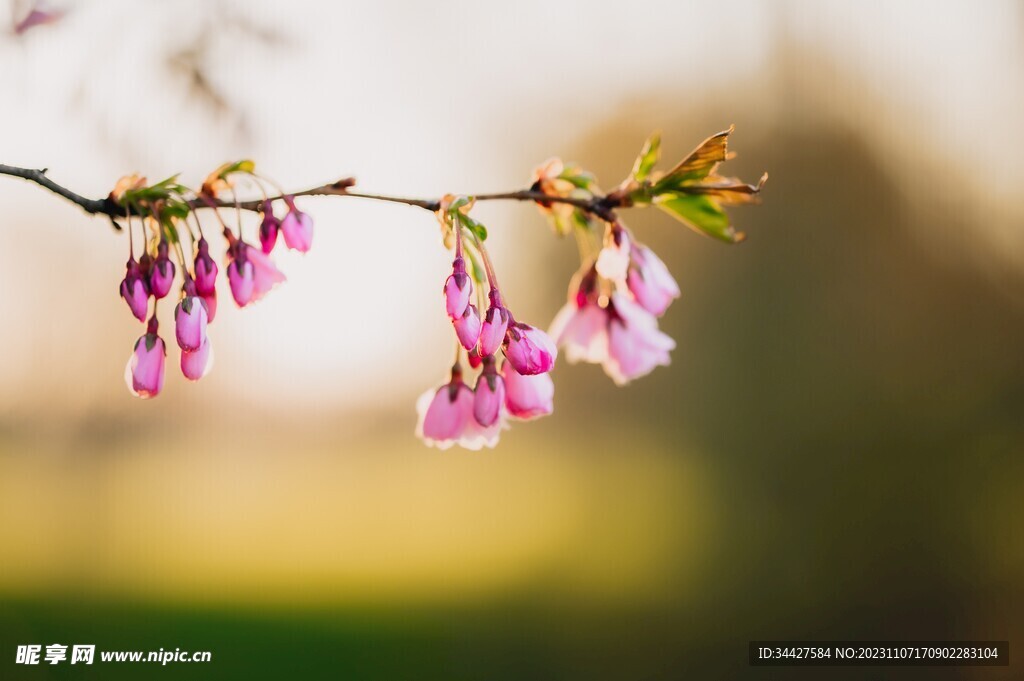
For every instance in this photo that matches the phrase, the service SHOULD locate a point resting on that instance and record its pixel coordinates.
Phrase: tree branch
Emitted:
(600, 206)
(91, 206)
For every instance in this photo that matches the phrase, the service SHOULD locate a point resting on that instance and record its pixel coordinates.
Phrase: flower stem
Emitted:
(457, 227)
(216, 212)
(492, 278)
(131, 237)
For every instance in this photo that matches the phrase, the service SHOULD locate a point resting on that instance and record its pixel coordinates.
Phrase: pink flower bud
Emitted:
(467, 327)
(635, 345)
(195, 365)
(446, 417)
(527, 397)
(457, 289)
(190, 318)
(144, 373)
(241, 277)
(161, 276)
(529, 349)
(489, 396)
(474, 357)
(650, 281)
(206, 270)
(297, 228)
(251, 273)
(135, 291)
(444, 413)
(492, 334)
(269, 228)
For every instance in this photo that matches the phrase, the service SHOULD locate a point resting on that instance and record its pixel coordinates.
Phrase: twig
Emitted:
(91, 206)
(600, 206)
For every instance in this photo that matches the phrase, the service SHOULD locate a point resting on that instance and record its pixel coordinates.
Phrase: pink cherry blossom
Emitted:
(135, 291)
(581, 326)
(190, 318)
(635, 344)
(446, 417)
(161, 275)
(467, 327)
(269, 227)
(489, 395)
(297, 228)
(616, 332)
(144, 373)
(650, 281)
(613, 260)
(195, 365)
(457, 289)
(444, 413)
(495, 326)
(529, 349)
(527, 397)
(582, 332)
(265, 273)
(241, 277)
(205, 270)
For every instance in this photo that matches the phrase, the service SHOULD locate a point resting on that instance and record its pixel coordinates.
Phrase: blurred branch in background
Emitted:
(206, 36)
(28, 14)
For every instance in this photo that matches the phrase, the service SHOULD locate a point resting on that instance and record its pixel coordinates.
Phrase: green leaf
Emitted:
(161, 191)
(166, 183)
(581, 179)
(475, 269)
(700, 213)
(559, 223)
(478, 230)
(170, 230)
(175, 209)
(701, 162)
(581, 220)
(648, 157)
(244, 166)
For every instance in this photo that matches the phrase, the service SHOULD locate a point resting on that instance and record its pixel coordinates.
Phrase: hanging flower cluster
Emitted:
(473, 417)
(611, 316)
(615, 299)
(501, 371)
(164, 209)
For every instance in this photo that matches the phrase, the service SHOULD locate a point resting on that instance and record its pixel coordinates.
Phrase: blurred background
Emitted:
(835, 452)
